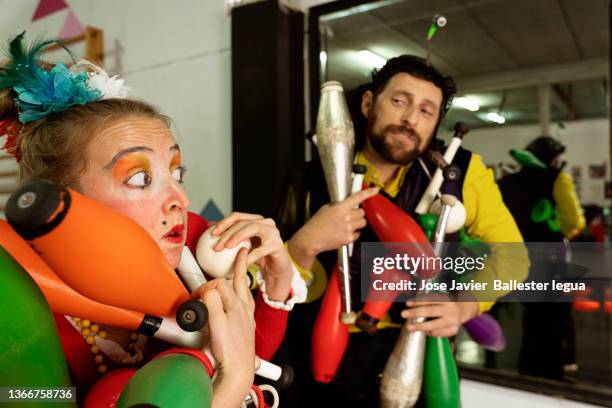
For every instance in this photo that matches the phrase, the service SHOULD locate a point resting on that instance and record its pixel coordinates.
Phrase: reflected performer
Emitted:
(543, 201)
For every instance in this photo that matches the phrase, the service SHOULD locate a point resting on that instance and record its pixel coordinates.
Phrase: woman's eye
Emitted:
(140, 179)
(179, 174)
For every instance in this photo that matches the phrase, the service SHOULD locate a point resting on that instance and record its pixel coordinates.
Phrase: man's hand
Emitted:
(445, 316)
(331, 227)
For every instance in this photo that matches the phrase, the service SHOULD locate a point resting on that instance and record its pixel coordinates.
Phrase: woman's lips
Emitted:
(175, 235)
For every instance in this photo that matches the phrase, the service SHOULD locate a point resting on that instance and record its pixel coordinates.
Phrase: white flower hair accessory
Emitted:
(98, 78)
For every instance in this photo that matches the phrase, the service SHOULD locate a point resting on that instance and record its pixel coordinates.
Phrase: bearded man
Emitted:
(396, 117)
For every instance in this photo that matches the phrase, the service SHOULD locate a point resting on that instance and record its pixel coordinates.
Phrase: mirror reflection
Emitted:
(523, 69)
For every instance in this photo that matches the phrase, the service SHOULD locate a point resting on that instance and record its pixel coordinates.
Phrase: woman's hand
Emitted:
(231, 325)
(268, 250)
(331, 227)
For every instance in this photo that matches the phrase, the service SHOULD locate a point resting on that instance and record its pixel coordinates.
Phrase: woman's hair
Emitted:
(54, 147)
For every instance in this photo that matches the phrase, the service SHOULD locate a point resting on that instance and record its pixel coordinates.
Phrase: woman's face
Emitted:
(134, 166)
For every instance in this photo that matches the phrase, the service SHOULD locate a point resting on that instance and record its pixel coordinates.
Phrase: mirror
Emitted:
(523, 68)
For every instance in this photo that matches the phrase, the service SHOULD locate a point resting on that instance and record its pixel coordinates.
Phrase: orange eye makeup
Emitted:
(129, 164)
(176, 160)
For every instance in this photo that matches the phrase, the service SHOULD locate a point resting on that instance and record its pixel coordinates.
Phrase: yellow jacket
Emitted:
(567, 206)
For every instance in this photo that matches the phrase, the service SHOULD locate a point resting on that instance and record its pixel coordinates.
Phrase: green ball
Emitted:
(428, 222)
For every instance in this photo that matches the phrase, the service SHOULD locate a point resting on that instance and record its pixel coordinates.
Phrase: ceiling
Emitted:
(498, 51)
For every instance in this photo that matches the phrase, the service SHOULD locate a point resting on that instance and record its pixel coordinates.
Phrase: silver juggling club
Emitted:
(336, 144)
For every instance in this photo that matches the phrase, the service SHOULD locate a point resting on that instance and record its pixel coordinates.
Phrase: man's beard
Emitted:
(392, 151)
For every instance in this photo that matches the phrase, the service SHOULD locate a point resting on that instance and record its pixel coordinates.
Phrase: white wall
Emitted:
(176, 55)
(587, 143)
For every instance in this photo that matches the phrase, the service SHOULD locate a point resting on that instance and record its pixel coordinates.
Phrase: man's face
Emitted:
(402, 119)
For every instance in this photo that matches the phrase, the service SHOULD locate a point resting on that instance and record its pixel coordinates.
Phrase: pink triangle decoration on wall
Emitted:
(72, 27)
(46, 7)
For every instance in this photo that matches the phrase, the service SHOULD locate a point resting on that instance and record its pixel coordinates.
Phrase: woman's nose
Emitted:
(177, 198)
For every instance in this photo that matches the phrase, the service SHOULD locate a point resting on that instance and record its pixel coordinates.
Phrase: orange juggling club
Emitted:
(61, 297)
(107, 262)
(96, 250)
(329, 336)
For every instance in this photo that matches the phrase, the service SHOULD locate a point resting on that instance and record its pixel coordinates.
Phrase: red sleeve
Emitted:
(271, 325)
(196, 225)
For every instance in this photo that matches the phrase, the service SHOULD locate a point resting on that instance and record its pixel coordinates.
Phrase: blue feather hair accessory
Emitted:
(42, 92)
